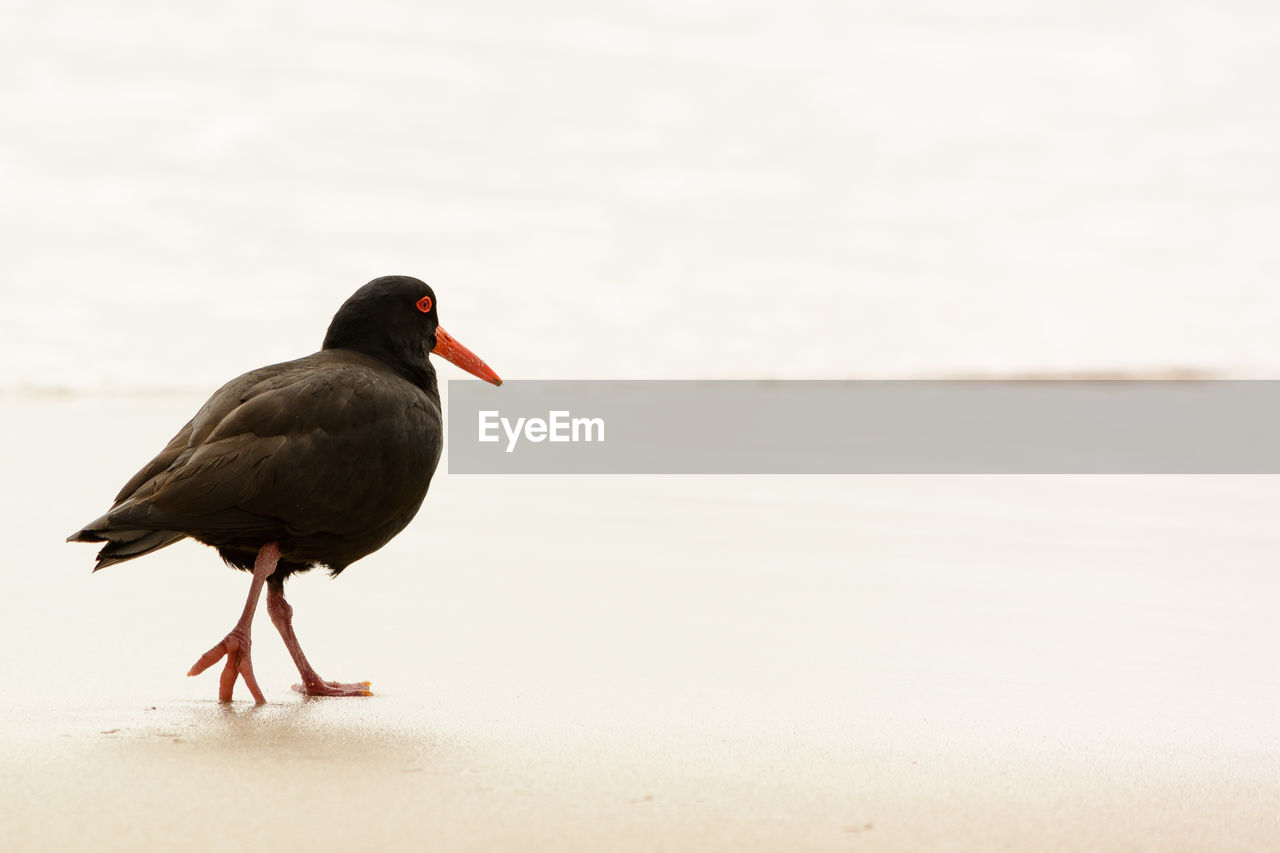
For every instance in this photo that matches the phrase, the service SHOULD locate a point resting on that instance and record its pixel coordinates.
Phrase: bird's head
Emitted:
(394, 318)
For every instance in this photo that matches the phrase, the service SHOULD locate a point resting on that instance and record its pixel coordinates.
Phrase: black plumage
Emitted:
(326, 457)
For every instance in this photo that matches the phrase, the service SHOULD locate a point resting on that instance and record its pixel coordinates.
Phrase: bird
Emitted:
(315, 462)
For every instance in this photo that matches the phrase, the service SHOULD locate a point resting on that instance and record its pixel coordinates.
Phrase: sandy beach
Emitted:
(684, 663)
(659, 190)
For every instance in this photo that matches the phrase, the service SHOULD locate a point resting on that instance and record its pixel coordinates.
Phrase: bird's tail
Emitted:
(124, 545)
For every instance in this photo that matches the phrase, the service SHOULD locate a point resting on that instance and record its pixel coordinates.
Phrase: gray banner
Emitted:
(889, 427)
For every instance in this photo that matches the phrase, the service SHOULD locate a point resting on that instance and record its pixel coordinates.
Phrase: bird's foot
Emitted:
(235, 648)
(319, 687)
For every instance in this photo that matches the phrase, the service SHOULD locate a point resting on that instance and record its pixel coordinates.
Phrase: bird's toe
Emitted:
(334, 688)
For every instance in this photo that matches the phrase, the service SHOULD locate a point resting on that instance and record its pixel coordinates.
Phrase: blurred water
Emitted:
(658, 189)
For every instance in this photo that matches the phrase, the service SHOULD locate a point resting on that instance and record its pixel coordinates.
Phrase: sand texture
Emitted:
(673, 663)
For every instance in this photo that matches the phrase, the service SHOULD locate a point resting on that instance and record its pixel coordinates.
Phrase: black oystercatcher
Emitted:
(313, 462)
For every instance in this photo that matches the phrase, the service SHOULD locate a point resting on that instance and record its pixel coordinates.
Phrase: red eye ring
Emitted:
(424, 304)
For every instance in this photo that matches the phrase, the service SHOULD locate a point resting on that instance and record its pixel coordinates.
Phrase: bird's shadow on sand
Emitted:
(337, 731)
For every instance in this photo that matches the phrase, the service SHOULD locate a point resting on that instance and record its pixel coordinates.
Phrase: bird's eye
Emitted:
(424, 304)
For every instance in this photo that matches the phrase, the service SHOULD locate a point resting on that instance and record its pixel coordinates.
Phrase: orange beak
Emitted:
(450, 350)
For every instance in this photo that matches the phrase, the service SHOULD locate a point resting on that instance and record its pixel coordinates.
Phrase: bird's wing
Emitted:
(277, 447)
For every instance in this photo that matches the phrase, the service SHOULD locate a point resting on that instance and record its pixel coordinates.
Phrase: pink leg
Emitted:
(312, 684)
(235, 646)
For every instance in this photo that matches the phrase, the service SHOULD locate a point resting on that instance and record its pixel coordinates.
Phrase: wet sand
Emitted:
(632, 663)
